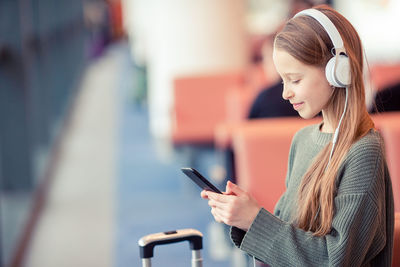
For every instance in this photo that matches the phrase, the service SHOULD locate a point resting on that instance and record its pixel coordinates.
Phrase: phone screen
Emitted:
(200, 180)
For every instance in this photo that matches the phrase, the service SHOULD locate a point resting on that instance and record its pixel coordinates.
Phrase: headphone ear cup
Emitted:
(342, 77)
(329, 72)
(342, 73)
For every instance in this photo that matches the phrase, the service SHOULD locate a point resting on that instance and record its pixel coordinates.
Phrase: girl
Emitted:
(338, 206)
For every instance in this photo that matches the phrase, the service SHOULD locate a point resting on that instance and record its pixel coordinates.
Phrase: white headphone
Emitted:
(337, 69)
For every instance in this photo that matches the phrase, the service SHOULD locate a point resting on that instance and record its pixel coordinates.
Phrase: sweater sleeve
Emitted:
(356, 237)
(281, 244)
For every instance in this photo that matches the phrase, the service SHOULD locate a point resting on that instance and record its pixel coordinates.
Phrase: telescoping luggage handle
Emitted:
(148, 242)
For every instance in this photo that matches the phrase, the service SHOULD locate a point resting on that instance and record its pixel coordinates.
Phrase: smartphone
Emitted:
(200, 180)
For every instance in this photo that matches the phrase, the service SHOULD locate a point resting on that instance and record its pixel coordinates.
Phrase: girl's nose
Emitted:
(287, 93)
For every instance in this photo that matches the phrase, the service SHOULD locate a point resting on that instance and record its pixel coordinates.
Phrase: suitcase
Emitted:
(148, 242)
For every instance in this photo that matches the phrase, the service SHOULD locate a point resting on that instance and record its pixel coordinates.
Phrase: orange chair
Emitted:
(396, 247)
(223, 132)
(384, 75)
(199, 106)
(238, 102)
(261, 149)
(388, 124)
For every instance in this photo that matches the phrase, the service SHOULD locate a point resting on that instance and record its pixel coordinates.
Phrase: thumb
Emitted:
(233, 189)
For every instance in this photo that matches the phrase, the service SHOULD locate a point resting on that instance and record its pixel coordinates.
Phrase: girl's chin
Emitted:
(306, 115)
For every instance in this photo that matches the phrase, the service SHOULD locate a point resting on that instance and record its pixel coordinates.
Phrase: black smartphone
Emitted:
(200, 180)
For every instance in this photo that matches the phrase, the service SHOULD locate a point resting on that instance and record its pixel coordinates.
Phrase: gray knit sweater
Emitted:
(362, 227)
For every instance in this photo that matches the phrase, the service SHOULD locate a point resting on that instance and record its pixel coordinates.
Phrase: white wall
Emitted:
(181, 37)
(377, 23)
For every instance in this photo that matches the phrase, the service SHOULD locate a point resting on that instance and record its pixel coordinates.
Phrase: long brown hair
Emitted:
(307, 41)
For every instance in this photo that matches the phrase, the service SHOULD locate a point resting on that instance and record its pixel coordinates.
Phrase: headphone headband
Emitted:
(337, 69)
(327, 24)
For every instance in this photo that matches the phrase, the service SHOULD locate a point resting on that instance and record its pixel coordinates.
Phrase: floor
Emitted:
(113, 186)
(77, 227)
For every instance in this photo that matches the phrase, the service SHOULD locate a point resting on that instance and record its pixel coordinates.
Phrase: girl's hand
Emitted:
(234, 207)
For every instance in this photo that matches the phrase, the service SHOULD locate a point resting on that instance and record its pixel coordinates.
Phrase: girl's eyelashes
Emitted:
(292, 82)
(296, 81)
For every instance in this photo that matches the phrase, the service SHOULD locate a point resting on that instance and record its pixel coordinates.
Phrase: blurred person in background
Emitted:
(97, 22)
(387, 99)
